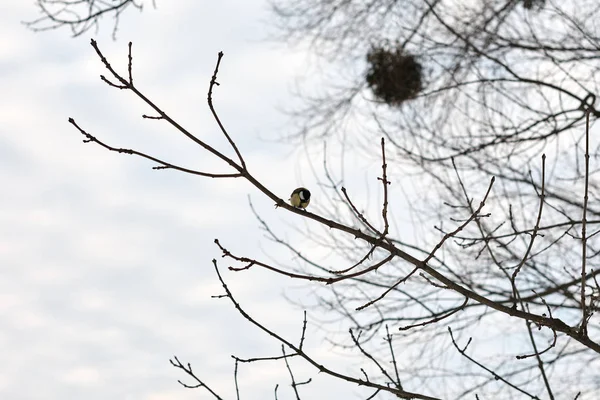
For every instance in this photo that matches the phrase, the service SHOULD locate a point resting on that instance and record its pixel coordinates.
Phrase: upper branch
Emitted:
(79, 16)
(376, 241)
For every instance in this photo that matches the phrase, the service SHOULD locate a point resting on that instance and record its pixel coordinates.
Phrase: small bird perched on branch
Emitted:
(300, 198)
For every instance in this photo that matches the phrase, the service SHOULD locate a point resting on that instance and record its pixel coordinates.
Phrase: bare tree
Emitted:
(460, 92)
(531, 315)
(463, 91)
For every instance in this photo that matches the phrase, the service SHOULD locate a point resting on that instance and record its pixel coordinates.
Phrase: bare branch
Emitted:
(188, 370)
(495, 375)
(302, 354)
(584, 312)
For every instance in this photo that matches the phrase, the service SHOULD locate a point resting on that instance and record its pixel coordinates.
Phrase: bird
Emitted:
(300, 198)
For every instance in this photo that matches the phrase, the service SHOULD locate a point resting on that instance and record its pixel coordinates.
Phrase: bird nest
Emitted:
(394, 76)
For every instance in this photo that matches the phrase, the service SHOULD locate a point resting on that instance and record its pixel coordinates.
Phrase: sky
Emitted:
(105, 264)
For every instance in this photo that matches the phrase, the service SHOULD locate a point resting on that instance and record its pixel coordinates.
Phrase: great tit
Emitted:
(300, 198)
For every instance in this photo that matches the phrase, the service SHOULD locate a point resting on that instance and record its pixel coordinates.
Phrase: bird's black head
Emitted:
(304, 194)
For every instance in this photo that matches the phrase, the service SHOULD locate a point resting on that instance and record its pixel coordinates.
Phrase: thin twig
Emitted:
(494, 374)
(287, 364)
(533, 234)
(358, 214)
(584, 316)
(213, 82)
(388, 339)
(188, 370)
(130, 64)
(370, 356)
(385, 184)
(438, 318)
(163, 164)
(555, 337)
(303, 335)
(235, 373)
(388, 290)
(473, 216)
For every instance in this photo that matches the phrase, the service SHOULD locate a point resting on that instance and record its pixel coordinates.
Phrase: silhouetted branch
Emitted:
(80, 15)
(188, 370)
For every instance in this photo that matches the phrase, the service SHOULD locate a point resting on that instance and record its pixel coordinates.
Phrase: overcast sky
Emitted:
(105, 264)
